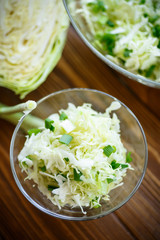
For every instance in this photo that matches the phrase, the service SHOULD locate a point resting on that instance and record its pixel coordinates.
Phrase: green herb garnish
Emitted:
(108, 150)
(43, 169)
(109, 180)
(48, 124)
(34, 131)
(128, 157)
(66, 159)
(51, 188)
(142, 2)
(153, 19)
(108, 40)
(127, 52)
(66, 139)
(156, 30)
(110, 23)
(97, 6)
(114, 164)
(63, 116)
(124, 165)
(77, 175)
(150, 71)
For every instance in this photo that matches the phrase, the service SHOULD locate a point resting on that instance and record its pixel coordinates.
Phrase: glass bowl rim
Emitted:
(49, 212)
(132, 76)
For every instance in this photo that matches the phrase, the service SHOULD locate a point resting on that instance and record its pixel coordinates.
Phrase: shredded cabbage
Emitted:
(32, 38)
(84, 170)
(126, 31)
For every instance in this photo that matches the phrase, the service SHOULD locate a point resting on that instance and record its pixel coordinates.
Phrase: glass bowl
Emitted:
(130, 75)
(132, 136)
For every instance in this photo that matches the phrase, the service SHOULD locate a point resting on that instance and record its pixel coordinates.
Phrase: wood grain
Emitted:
(139, 218)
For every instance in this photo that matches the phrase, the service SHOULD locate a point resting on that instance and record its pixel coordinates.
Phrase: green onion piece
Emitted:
(109, 180)
(124, 165)
(66, 159)
(48, 124)
(110, 23)
(63, 175)
(150, 71)
(51, 188)
(127, 52)
(145, 15)
(114, 164)
(142, 2)
(108, 40)
(156, 31)
(128, 157)
(29, 157)
(158, 44)
(34, 131)
(108, 150)
(114, 149)
(97, 206)
(122, 61)
(66, 139)
(97, 6)
(24, 164)
(63, 116)
(153, 19)
(77, 175)
(43, 169)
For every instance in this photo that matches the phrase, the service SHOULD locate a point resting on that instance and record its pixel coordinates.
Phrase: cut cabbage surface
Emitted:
(78, 157)
(125, 31)
(32, 37)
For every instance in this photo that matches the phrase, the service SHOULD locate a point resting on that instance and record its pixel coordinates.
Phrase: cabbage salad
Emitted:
(126, 31)
(32, 37)
(77, 157)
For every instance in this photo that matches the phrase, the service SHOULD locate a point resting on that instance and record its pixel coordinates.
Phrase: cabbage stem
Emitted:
(14, 113)
(22, 107)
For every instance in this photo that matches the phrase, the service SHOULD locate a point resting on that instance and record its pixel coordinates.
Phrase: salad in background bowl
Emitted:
(86, 157)
(125, 34)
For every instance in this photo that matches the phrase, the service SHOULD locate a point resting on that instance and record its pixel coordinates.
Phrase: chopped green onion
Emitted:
(48, 124)
(77, 175)
(63, 116)
(43, 169)
(66, 159)
(150, 71)
(108, 150)
(153, 19)
(145, 15)
(24, 164)
(142, 2)
(66, 139)
(109, 180)
(124, 165)
(156, 31)
(29, 157)
(34, 131)
(127, 52)
(110, 23)
(128, 157)
(108, 40)
(97, 6)
(122, 61)
(158, 44)
(114, 164)
(51, 188)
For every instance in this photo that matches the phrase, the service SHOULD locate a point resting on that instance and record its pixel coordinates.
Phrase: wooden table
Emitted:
(139, 218)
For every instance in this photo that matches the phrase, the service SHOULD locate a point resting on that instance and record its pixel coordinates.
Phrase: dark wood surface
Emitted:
(139, 218)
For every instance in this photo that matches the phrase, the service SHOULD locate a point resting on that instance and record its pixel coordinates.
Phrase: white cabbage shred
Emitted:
(54, 166)
(125, 31)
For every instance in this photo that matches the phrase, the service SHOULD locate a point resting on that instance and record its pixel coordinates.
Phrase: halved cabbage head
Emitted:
(33, 35)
